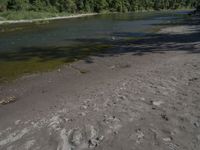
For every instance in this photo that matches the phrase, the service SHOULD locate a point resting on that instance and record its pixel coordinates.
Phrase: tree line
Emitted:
(78, 6)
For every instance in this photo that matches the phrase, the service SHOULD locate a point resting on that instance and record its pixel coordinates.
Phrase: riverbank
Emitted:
(144, 98)
(43, 19)
(142, 95)
(30, 17)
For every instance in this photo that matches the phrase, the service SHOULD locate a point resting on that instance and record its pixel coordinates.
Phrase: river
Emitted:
(42, 46)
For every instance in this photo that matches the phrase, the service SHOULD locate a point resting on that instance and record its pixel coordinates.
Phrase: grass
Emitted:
(25, 15)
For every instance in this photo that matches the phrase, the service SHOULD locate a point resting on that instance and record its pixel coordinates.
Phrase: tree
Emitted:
(100, 5)
(73, 6)
(3, 5)
(18, 4)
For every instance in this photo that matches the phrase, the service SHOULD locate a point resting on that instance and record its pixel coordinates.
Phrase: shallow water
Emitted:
(29, 48)
(69, 30)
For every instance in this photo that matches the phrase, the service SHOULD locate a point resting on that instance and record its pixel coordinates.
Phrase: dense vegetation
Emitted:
(78, 6)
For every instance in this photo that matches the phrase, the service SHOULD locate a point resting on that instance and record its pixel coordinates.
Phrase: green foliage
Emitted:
(75, 6)
(18, 4)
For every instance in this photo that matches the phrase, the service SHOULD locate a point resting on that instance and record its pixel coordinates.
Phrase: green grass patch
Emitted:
(25, 15)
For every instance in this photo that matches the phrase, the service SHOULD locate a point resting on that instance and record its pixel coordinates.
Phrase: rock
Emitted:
(76, 137)
(83, 107)
(157, 103)
(198, 137)
(113, 38)
(8, 100)
(92, 143)
(142, 99)
(56, 122)
(164, 116)
(196, 124)
(63, 143)
(167, 139)
(17, 122)
(112, 67)
(83, 114)
(139, 136)
(94, 138)
(193, 79)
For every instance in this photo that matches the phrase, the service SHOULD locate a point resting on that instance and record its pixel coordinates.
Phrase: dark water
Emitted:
(28, 48)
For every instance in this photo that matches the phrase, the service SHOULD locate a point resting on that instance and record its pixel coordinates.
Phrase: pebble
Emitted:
(168, 139)
(157, 103)
(198, 137)
(17, 122)
(164, 116)
(94, 138)
(84, 107)
(82, 114)
(196, 124)
(140, 136)
(7, 100)
(142, 99)
(76, 137)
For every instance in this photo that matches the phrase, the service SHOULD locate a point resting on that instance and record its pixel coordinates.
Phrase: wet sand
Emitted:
(145, 95)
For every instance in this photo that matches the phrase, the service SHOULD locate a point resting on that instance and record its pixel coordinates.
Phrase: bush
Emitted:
(18, 4)
(3, 8)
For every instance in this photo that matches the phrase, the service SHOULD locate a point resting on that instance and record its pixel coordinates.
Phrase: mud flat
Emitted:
(144, 95)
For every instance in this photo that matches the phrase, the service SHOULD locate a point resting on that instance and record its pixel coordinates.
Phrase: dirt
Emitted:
(139, 100)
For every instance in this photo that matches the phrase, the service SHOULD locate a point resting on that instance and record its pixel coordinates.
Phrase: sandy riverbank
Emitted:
(46, 19)
(143, 95)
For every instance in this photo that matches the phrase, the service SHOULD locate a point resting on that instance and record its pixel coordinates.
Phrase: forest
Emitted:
(81, 6)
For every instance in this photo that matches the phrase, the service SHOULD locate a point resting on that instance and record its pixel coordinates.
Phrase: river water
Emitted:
(30, 48)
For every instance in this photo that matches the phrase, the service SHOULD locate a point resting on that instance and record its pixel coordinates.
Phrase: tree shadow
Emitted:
(150, 44)
(119, 43)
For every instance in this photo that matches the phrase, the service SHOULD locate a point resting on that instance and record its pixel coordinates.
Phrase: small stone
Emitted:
(112, 67)
(157, 103)
(84, 107)
(8, 100)
(83, 114)
(76, 137)
(139, 136)
(142, 99)
(168, 139)
(196, 124)
(94, 138)
(198, 137)
(164, 116)
(17, 122)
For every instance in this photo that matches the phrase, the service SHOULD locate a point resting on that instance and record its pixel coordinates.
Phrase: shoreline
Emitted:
(46, 19)
(71, 16)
